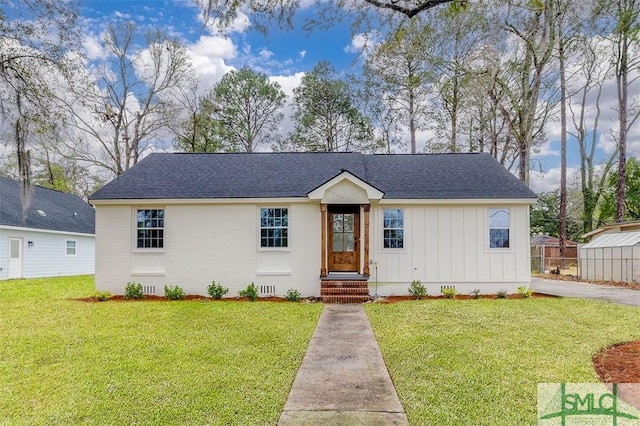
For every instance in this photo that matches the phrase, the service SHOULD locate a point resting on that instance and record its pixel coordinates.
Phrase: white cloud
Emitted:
(93, 48)
(266, 54)
(549, 180)
(121, 15)
(239, 24)
(288, 83)
(362, 43)
(545, 150)
(302, 54)
(208, 57)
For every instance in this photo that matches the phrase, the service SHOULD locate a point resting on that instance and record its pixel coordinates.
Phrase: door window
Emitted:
(343, 232)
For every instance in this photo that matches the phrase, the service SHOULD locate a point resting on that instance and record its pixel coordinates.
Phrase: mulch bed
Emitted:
(633, 286)
(396, 299)
(620, 363)
(384, 299)
(152, 298)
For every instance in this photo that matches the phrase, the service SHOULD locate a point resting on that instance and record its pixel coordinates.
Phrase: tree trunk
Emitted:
(562, 226)
(412, 122)
(622, 86)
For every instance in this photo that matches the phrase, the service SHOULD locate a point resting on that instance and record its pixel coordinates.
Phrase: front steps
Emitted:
(344, 290)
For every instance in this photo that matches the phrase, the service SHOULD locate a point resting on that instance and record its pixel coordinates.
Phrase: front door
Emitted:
(15, 258)
(344, 236)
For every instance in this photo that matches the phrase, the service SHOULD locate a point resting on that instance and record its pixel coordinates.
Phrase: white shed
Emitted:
(611, 257)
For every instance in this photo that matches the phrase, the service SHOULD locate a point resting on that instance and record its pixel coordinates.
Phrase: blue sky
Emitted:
(285, 55)
(291, 51)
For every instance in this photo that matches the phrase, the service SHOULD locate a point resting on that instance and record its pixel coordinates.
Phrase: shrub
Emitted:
(525, 291)
(102, 295)
(250, 292)
(475, 293)
(417, 289)
(133, 290)
(293, 295)
(502, 294)
(216, 291)
(448, 291)
(173, 292)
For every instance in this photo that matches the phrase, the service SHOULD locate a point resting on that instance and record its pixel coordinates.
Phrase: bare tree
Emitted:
(35, 36)
(594, 73)
(123, 113)
(524, 78)
(621, 22)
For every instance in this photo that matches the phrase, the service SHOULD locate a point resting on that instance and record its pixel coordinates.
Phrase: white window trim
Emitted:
(75, 247)
(488, 229)
(259, 229)
(404, 230)
(134, 230)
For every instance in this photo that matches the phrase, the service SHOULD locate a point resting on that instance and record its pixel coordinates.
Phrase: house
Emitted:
(545, 252)
(612, 253)
(53, 236)
(340, 225)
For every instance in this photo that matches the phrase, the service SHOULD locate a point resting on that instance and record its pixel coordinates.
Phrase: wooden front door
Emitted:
(344, 236)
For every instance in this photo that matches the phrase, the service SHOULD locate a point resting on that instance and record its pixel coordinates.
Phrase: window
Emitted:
(499, 228)
(274, 227)
(71, 247)
(150, 228)
(344, 232)
(393, 228)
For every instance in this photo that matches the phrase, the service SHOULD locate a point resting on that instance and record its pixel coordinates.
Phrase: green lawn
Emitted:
(478, 362)
(189, 362)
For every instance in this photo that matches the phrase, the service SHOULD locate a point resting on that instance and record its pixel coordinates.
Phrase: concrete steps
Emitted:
(344, 291)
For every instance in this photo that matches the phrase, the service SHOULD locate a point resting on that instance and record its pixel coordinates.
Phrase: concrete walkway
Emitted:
(621, 295)
(343, 379)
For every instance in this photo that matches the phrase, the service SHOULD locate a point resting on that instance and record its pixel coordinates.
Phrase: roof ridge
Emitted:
(42, 187)
(262, 153)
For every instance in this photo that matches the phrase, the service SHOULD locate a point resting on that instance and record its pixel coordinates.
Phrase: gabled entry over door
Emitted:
(344, 238)
(15, 258)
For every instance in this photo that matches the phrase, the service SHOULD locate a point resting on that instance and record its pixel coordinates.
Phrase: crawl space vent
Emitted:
(267, 289)
(149, 289)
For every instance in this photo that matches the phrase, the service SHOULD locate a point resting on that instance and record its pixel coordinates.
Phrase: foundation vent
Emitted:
(267, 289)
(149, 289)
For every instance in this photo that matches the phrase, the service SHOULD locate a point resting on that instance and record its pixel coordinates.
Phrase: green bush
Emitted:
(502, 294)
(525, 291)
(133, 290)
(173, 292)
(102, 295)
(250, 292)
(293, 295)
(417, 289)
(448, 291)
(216, 291)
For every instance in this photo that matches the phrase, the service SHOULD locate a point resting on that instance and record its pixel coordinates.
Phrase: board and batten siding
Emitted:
(449, 245)
(47, 255)
(205, 242)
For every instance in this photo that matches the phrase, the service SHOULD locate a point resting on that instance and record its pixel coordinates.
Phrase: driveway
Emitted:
(621, 295)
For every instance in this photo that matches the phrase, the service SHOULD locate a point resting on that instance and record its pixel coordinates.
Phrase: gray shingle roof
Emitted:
(275, 175)
(62, 212)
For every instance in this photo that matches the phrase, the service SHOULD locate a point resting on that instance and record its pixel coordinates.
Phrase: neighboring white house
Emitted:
(296, 220)
(53, 236)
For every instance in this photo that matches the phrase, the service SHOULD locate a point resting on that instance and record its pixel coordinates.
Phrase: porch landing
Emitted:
(344, 288)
